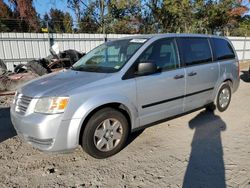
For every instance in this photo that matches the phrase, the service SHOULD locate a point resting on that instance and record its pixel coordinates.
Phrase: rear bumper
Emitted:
(236, 84)
(46, 132)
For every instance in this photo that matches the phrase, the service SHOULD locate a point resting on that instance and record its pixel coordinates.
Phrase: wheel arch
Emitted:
(115, 105)
(219, 83)
(230, 81)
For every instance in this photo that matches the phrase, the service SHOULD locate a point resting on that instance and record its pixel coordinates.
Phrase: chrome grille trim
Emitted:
(22, 103)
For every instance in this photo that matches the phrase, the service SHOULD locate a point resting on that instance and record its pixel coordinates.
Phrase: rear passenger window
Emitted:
(194, 50)
(162, 53)
(222, 49)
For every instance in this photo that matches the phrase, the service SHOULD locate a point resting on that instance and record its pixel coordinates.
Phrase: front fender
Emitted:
(91, 104)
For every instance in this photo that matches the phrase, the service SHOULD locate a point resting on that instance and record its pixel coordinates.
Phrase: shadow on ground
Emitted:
(6, 128)
(133, 136)
(245, 76)
(206, 164)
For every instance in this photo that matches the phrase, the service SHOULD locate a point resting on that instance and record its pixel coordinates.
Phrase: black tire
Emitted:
(20, 68)
(88, 134)
(210, 107)
(2, 65)
(72, 54)
(35, 67)
(218, 105)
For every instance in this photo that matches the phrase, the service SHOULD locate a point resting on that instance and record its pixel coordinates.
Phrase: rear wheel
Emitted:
(223, 97)
(105, 133)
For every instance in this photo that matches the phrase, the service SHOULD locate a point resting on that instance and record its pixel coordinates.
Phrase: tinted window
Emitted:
(222, 49)
(194, 50)
(162, 53)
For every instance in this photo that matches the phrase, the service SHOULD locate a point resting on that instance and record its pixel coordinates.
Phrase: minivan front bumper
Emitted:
(46, 132)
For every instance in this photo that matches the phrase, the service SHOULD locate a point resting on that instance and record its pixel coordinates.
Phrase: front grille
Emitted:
(22, 103)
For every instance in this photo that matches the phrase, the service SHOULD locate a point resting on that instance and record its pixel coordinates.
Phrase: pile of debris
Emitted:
(5, 101)
(11, 81)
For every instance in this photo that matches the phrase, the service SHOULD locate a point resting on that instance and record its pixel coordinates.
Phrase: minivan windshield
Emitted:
(109, 57)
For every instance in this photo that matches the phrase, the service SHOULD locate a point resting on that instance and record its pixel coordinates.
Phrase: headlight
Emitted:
(51, 105)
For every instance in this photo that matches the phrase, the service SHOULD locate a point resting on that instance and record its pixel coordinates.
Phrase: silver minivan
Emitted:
(122, 86)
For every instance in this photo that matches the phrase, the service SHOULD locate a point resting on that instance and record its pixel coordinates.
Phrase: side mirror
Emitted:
(146, 68)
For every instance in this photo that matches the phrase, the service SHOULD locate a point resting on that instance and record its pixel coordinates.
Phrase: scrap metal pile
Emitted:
(10, 81)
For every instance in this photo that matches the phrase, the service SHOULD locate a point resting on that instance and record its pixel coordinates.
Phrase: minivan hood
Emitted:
(57, 84)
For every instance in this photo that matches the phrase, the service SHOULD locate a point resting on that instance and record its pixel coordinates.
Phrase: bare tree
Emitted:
(26, 10)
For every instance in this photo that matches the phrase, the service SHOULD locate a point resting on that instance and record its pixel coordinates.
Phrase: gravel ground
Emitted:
(201, 149)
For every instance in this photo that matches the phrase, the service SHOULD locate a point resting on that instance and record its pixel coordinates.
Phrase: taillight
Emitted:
(238, 67)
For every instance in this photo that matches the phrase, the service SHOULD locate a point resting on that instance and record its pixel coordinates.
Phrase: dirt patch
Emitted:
(5, 101)
(244, 65)
(197, 150)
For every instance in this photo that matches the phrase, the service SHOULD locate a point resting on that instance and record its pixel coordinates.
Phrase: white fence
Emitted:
(18, 48)
(242, 47)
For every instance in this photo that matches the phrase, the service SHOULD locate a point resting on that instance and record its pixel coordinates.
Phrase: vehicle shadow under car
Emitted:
(6, 128)
(206, 164)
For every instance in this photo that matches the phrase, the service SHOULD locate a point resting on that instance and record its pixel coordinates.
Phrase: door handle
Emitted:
(192, 74)
(179, 76)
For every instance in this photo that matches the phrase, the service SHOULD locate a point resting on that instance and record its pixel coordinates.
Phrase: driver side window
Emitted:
(163, 53)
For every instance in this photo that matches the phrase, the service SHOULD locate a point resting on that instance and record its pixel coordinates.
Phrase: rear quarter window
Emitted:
(222, 49)
(194, 50)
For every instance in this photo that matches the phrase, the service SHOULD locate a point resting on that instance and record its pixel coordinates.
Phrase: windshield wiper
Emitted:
(88, 68)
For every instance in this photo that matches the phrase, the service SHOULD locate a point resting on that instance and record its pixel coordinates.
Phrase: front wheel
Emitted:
(223, 97)
(105, 133)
